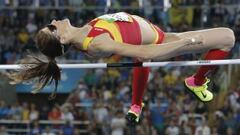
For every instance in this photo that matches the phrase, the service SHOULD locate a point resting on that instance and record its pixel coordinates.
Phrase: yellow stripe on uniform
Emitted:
(156, 33)
(86, 42)
(111, 27)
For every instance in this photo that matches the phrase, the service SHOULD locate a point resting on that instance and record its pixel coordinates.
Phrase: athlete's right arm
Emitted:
(103, 43)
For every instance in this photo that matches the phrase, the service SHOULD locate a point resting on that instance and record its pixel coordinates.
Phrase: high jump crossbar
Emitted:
(143, 64)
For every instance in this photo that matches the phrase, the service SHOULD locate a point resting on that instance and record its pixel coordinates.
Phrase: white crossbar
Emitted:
(191, 63)
(144, 64)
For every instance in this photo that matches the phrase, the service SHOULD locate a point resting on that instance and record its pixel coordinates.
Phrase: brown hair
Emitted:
(45, 72)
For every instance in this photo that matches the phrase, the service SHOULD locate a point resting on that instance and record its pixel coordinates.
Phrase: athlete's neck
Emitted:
(76, 35)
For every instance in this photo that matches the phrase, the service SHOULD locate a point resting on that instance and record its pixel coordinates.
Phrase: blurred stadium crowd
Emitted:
(103, 96)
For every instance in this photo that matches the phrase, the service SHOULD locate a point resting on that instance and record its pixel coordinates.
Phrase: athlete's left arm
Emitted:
(104, 43)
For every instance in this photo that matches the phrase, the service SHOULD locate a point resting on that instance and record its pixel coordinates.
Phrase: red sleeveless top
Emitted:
(122, 27)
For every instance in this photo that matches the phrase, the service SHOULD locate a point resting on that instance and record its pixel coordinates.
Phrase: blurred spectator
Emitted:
(192, 125)
(36, 129)
(25, 111)
(4, 110)
(34, 113)
(139, 131)
(100, 112)
(81, 115)
(23, 36)
(201, 108)
(220, 123)
(3, 131)
(95, 128)
(237, 120)
(68, 128)
(234, 100)
(31, 27)
(90, 78)
(123, 90)
(203, 129)
(214, 131)
(44, 112)
(76, 132)
(219, 13)
(54, 114)
(48, 131)
(185, 129)
(173, 129)
(157, 116)
(230, 131)
(67, 115)
(118, 124)
(16, 111)
(180, 16)
(231, 123)
(237, 28)
(107, 94)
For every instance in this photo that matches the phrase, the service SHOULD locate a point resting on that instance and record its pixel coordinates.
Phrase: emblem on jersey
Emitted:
(121, 16)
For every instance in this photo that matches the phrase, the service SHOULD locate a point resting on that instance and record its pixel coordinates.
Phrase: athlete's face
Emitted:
(61, 29)
(62, 25)
(58, 28)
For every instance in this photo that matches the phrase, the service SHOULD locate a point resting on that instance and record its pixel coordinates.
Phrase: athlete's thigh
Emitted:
(171, 37)
(216, 38)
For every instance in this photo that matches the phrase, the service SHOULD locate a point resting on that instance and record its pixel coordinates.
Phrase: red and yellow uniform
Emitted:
(122, 27)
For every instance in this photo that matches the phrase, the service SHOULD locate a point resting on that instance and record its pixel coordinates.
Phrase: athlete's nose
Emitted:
(53, 21)
(66, 20)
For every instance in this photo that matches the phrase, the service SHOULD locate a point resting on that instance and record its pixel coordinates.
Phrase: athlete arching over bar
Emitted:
(131, 36)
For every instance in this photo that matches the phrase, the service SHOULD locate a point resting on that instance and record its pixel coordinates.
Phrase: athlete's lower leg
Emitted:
(204, 71)
(219, 49)
(140, 78)
(223, 44)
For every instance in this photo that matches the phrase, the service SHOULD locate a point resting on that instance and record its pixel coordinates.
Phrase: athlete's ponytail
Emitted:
(41, 71)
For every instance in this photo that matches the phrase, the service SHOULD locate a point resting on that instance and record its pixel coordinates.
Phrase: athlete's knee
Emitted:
(229, 37)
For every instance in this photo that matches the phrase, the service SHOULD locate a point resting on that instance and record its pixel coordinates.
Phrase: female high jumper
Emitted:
(131, 36)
